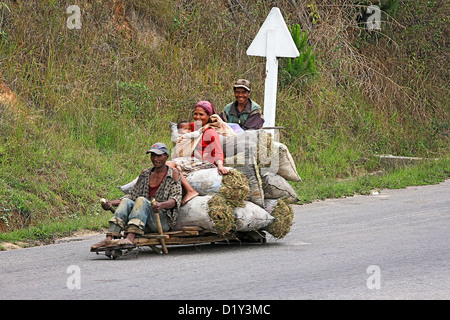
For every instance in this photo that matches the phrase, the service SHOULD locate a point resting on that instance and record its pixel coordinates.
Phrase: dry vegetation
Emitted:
(80, 107)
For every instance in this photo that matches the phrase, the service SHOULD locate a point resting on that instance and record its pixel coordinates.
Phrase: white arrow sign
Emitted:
(272, 41)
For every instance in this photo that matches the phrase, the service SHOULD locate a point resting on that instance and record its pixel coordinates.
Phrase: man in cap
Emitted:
(135, 213)
(243, 111)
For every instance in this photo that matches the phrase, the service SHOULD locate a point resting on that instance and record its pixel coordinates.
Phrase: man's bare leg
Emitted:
(190, 192)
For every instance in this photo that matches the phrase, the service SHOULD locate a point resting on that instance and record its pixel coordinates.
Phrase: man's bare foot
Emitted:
(189, 196)
(103, 243)
(128, 240)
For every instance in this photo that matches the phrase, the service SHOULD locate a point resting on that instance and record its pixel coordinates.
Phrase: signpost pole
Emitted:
(271, 83)
(273, 40)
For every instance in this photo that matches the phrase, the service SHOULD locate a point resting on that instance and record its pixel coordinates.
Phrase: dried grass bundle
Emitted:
(283, 215)
(235, 188)
(222, 214)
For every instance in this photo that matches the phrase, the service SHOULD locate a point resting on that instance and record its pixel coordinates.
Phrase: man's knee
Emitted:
(125, 202)
(141, 202)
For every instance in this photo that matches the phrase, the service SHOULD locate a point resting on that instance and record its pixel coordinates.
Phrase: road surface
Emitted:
(394, 245)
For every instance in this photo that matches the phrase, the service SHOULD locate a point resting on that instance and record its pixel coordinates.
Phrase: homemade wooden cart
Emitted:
(187, 235)
(158, 242)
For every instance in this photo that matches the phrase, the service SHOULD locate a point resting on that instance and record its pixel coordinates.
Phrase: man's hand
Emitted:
(106, 205)
(157, 206)
(109, 205)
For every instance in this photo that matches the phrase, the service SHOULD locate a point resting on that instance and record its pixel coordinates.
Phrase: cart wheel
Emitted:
(116, 253)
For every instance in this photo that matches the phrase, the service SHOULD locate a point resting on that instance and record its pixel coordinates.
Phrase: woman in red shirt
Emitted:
(209, 147)
(208, 150)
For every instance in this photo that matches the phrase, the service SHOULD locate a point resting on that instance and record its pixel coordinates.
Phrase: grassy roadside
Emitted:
(428, 172)
(87, 103)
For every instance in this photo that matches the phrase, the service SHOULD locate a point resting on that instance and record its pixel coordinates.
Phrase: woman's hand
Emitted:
(221, 169)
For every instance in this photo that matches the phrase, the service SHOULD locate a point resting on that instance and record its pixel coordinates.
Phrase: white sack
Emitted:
(205, 181)
(287, 168)
(276, 187)
(251, 217)
(195, 213)
(126, 188)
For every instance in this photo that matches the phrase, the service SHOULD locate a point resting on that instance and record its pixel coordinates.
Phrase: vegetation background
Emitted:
(79, 107)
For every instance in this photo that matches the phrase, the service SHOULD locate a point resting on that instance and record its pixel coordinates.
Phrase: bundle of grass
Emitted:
(283, 215)
(221, 214)
(235, 188)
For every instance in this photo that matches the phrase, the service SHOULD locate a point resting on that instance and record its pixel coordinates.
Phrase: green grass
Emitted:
(47, 231)
(91, 101)
(428, 172)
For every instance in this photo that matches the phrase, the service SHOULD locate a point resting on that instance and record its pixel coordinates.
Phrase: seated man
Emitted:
(135, 211)
(243, 111)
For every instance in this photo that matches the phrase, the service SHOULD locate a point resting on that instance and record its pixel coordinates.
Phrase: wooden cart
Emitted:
(158, 242)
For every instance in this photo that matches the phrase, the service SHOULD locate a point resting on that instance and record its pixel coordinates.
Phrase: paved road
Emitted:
(394, 245)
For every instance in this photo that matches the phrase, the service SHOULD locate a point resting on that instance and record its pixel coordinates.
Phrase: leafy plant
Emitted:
(304, 66)
(314, 14)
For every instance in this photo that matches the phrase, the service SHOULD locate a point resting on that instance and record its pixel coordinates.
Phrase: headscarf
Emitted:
(207, 106)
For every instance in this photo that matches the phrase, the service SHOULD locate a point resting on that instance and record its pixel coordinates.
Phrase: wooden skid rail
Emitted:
(186, 236)
(147, 241)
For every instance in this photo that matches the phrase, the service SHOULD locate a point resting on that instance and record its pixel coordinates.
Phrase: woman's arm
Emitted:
(213, 151)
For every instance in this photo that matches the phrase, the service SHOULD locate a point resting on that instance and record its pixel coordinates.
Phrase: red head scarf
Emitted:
(207, 106)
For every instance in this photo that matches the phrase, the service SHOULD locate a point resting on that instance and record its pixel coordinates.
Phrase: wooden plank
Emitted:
(182, 240)
(169, 234)
(154, 236)
(191, 228)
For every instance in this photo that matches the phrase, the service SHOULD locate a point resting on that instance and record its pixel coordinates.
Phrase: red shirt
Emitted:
(152, 190)
(209, 147)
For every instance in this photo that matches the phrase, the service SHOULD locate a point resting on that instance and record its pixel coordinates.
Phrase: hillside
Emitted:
(79, 107)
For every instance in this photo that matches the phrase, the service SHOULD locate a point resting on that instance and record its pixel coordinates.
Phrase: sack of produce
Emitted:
(276, 187)
(259, 141)
(195, 213)
(205, 181)
(233, 186)
(240, 142)
(251, 171)
(127, 187)
(251, 217)
(286, 164)
(174, 135)
(209, 212)
(270, 204)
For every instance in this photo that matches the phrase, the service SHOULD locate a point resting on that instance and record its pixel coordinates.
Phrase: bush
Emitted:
(302, 67)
